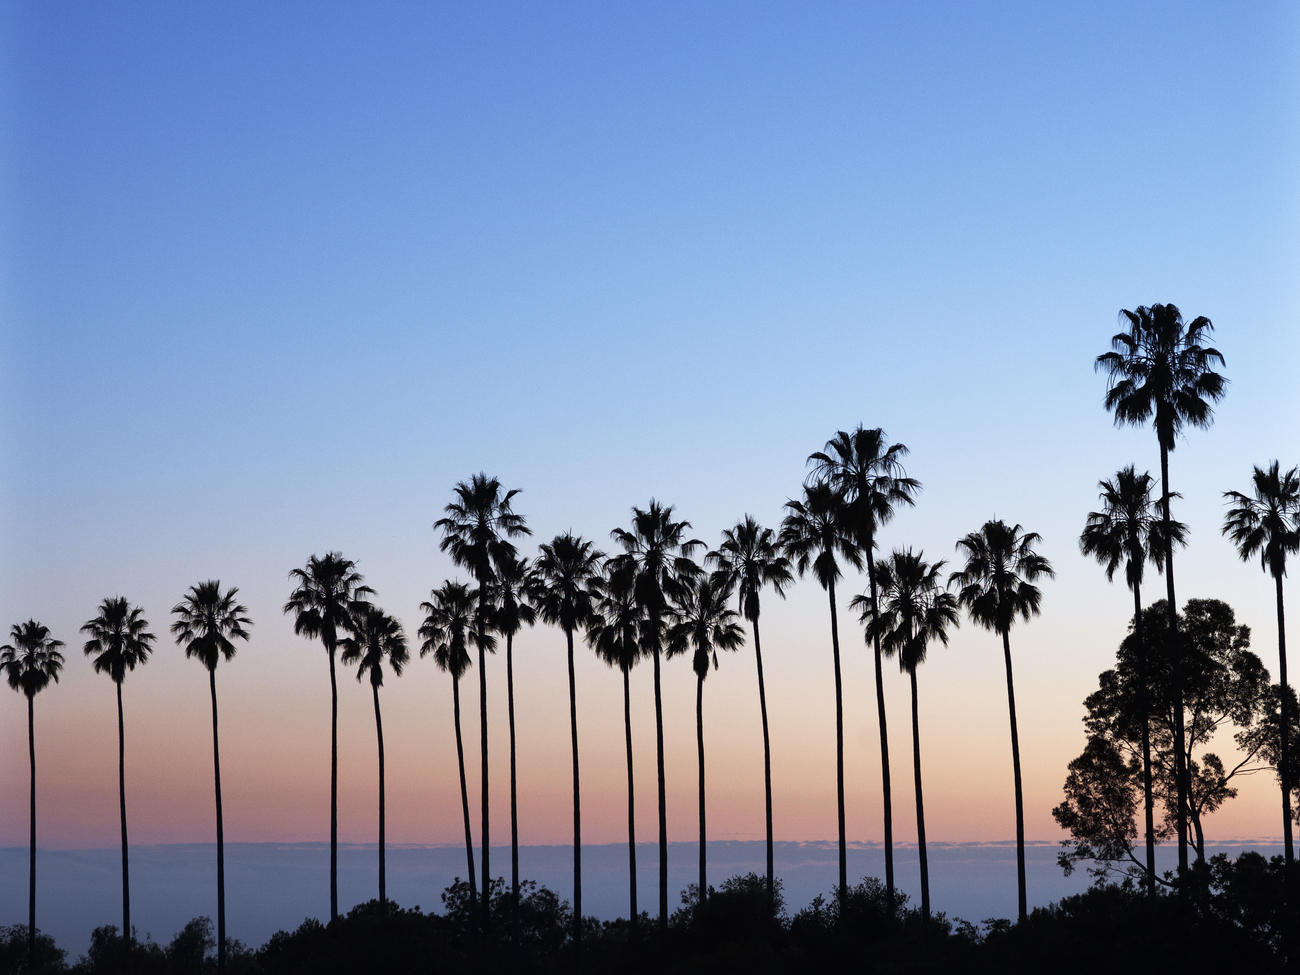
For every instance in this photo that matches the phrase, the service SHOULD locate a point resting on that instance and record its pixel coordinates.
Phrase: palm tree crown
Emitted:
(511, 608)
(659, 554)
(1267, 524)
(32, 660)
(448, 614)
(867, 471)
(1128, 529)
(561, 579)
(328, 594)
(997, 584)
(748, 560)
(702, 622)
(479, 524)
(208, 622)
(815, 531)
(375, 637)
(914, 609)
(119, 638)
(614, 629)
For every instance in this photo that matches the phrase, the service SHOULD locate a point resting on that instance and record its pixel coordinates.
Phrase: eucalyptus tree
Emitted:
(911, 611)
(815, 534)
(207, 624)
(560, 585)
(750, 560)
(703, 624)
(1267, 523)
(868, 472)
(30, 663)
(1158, 370)
(476, 531)
(1129, 530)
(614, 632)
(448, 617)
(327, 595)
(119, 642)
(373, 638)
(996, 587)
(657, 552)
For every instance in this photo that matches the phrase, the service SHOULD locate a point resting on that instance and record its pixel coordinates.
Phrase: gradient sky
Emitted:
(274, 277)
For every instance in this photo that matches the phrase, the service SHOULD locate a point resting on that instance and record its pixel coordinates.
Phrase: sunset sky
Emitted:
(274, 277)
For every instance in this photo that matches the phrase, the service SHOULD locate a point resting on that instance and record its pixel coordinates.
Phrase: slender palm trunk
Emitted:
(663, 801)
(334, 785)
(31, 846)
(221, 835)
(767, 763)
(1286, 725)
(464, 792)
(121, 793)
(631, 805)
(514, 808)
(839, 747)
(577, 803)
(1144, 706)
(1180, 765)
(886, 795)
(699, 745)
(379, 734)
(1015, 767)
(483, 745)
(920, 804)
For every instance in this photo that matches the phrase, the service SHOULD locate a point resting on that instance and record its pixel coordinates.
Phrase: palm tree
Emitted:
(29, 664)
(867, 471)
(1268, 525)
(658, 554)
(119, 641)
(703, 624)
(915, 611)
(1159, 371)
(560, 585)
(328, 595)
(208, 622)
(375, 636)
(815, 534)
(447, 619)
(996, 587)
(615, 634)
(1128, 530)
(476, 533)
(511, 611)
(749, 560)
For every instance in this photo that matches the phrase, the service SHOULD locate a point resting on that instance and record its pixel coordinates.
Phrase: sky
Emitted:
(273, 278)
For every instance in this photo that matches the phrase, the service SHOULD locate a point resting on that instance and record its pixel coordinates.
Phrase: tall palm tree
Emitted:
(1158, 370)
(816, 534)
(373, 638)
(1129, 530)
(748, 560)
(912, 611)
(119, 641)
(658, 554)
(511, 611)
(207, 623)
(448, 616)
(615, 634)
(1268, 525)
(703, 623)
(30, 663)
(328, 595)
(560, 585)
(868, 472)
(476, 533)
(997, 587)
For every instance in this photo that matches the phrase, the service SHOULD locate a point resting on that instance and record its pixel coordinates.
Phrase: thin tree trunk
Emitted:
(886, 794)
(464, 792)
(631, 805)
(514, 808)
(1145, 707)
(483, 744)
(334, 785)
(379, 734)
(920, 804)
(31, 847)
(839, 747)
(699, 745)
(767, 767)
(577, 804)
(1286, 726)
(663, 801)
(221, 835)
(121, 792)
(1180, 765)
(1015, 766)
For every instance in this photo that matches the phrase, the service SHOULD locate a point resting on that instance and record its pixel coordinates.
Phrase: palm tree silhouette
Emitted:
(119, 641)
(475, 532)
(560, 586)
(867, 471)
(207, 623)
(329, 593)
(373, 637)
(447, 619)
(615, 634)
(703, 624)
(911, 611)
(996, 587)
(1158, 370)
(749, 560)
(30, 663)
(1268, 525)
(510, 612)
(658, 554)
(815, 534)
(1128, 530)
